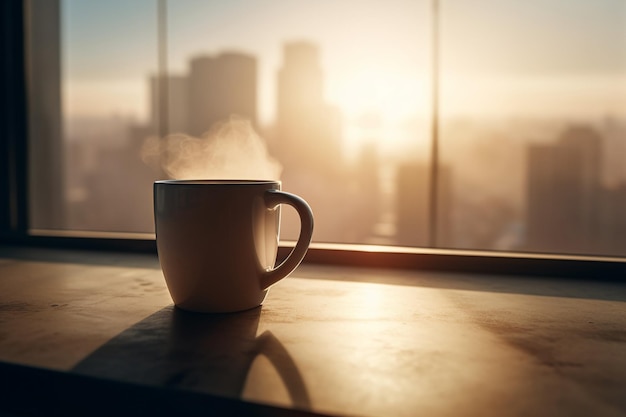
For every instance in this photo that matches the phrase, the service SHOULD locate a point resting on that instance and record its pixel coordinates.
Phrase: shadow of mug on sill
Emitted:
(200, 352)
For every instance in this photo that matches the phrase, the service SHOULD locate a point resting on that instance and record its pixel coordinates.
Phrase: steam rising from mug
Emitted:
(231, 149)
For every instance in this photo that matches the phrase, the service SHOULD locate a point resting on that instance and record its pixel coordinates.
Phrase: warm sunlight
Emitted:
(379, 105)
(393, 96)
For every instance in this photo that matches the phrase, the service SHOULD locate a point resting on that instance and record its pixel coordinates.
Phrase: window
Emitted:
(337, 110)
(533, 125)
(475, 125)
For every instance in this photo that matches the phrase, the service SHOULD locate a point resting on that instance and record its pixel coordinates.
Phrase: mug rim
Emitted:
(217, 182)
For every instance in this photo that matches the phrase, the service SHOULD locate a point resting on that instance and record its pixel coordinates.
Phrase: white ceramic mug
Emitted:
(217, 241)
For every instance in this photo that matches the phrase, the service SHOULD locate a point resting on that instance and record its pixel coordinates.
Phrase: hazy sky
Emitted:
(497, 56)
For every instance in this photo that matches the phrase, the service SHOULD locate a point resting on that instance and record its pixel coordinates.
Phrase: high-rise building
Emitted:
(308, 129)
(307, 142)
(221, 86)
(47, 173)
(564, 182)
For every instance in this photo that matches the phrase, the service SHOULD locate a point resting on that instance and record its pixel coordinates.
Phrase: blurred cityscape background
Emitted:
(529, 114)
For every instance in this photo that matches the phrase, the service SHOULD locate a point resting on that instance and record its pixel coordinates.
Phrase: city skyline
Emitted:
(491, 179)
(362, 209)
(381, 67)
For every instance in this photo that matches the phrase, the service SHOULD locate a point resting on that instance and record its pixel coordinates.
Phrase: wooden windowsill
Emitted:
(95, 333)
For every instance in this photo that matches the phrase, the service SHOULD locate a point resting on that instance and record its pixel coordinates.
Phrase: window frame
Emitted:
(14, 205)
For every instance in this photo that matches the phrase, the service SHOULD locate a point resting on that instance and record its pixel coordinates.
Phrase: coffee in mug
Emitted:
(217, 241)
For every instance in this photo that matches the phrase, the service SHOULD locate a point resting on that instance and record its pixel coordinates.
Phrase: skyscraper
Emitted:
(307, 143)
(220, 86)
(47, 181)
(563, 186)
(308, 129)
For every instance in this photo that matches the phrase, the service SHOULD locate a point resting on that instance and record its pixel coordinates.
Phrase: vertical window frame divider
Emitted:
(434, 157)
(162, 73)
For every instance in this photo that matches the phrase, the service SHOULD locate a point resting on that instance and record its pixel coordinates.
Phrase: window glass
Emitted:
(342, 101)
(336, 93)
(533, 125)
(88, 68)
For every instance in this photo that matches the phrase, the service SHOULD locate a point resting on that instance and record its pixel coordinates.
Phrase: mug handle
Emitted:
(272, 199)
